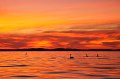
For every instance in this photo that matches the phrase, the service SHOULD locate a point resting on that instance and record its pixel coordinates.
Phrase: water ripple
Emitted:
(24, 76)
(20, 65)
(111, 78)
(57, 72)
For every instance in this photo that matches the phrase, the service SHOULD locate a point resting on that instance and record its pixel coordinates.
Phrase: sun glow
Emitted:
(40, 44)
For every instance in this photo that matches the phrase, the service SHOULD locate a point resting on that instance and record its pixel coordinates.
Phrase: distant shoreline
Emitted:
(58, 49)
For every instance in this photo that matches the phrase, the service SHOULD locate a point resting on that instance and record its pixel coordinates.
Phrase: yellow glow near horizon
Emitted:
(27, 14)
(43, 43)
(11, 23)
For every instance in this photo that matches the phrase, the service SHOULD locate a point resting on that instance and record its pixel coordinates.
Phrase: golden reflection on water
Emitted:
(57, 65)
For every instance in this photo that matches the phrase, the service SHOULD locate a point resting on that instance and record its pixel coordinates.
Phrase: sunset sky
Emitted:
(83, 24)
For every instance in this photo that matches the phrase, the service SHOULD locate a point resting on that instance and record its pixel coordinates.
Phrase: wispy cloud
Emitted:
(82, 40)
(96, 27)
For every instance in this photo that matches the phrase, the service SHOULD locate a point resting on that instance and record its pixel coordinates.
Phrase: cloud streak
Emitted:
(81, 40)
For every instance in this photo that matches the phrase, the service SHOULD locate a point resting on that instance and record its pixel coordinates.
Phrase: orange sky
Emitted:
(59, 19)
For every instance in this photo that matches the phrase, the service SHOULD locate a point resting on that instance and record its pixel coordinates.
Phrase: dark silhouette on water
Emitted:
(71, 57)
(97, 55)
(86, 55)
(26, 53)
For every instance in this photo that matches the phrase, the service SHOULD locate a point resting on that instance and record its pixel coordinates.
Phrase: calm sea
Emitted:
(58, 65)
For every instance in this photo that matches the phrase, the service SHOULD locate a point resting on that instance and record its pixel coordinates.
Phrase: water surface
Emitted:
(57, 65)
